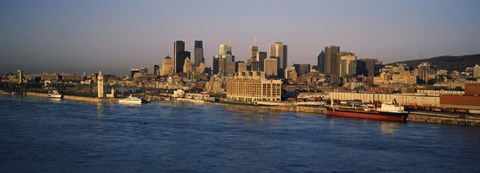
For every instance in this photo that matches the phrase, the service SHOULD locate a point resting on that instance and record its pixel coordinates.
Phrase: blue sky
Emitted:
(115, 35)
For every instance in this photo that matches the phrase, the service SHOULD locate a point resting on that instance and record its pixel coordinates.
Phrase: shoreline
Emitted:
(412, 117)
(66, 97)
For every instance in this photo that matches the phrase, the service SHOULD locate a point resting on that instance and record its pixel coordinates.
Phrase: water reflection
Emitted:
(100, 115)
(389, 127)
(99, 110)
(254, 115)
(55, 100)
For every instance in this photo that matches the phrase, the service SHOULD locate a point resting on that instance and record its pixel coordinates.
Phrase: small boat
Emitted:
(131, 100)
(55, 94)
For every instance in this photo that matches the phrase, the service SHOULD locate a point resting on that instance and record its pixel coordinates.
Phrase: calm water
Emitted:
(42, 135)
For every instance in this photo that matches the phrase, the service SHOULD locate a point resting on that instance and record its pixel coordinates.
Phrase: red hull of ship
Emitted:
(373, 116)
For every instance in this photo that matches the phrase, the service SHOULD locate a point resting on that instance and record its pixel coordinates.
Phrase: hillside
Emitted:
(449, 63)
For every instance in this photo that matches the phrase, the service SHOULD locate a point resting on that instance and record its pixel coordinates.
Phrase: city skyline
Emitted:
(114, 36)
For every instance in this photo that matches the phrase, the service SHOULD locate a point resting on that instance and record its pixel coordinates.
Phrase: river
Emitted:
(45, 135)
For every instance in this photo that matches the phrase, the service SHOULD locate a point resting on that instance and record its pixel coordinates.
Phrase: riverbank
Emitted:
(67, 97)
(289, 108)
(425, 117)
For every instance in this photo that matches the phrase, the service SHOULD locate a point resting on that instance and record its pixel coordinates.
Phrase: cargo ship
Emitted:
(388, 111)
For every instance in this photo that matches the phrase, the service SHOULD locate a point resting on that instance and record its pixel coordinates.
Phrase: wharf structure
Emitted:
(403, 99)
(468, 99)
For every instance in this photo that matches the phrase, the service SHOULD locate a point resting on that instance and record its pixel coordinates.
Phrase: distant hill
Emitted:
(449, 63)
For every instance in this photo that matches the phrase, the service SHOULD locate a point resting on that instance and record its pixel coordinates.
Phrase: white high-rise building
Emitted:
(225, 49)
(224, 61)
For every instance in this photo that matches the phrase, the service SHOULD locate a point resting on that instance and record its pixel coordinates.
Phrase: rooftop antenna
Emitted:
(255, 42)
(230, 39)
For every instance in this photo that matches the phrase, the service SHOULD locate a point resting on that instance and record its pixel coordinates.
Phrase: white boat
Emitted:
(55, 94)
(131, 100)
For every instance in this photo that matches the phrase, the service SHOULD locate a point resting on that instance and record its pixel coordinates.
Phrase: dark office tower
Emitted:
(261, 56)
(178, 46)
(257, 66)
(302, 68)
(285, 58)
(216, 65)
(367, 67)
(156, 70)
(361, 68)
(250, 63)
(198, 53)
(332, 61)
(180, 61)
(321, 62)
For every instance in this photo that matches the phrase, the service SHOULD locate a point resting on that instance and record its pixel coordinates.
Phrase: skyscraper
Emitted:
(224, 61)
(279, 51)
(168, 67)
(178, 46)
(198, 53)
(225, 49)
(261, 56)
(156, 70)
(348, 65)
(187, 66)
(253, 51)
(332, 62)
(270, 66)
(366, 67)
(180, 61)
(424, 73)
(302, 68)
(321, 62)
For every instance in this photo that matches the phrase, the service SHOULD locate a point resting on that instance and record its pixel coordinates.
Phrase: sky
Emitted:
(114, 36)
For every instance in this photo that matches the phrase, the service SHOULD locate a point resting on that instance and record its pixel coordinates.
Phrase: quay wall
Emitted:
(4, 93)
(298, 109)
(415, 117)
(36, 94)
(68, 97)
(80, 98)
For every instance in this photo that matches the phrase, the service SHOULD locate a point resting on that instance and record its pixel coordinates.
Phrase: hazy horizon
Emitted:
(116, 35)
